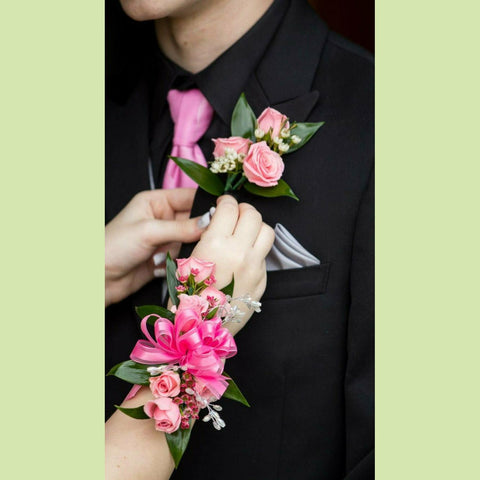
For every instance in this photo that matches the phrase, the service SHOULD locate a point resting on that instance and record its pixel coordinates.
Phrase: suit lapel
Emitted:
(279, 82)
(127, 149)
(284, 89)
(163, 125)
(300, 107)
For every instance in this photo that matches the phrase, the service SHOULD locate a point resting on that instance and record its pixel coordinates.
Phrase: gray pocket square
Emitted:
(287, 253)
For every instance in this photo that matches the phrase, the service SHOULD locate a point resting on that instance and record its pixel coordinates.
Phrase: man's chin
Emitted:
(142, 10)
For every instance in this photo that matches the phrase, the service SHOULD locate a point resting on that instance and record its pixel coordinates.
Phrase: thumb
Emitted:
(185, 231)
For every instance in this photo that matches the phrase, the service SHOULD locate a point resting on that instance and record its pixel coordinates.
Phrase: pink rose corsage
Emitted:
(252, 157)
(182, 359)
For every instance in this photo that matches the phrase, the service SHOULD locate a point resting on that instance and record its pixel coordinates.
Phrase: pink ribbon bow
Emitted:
(198, 345)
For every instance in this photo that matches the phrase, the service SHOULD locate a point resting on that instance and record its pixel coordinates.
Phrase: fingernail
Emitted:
(159, 258)
(212, 211)
(159, 272)
(204, 220)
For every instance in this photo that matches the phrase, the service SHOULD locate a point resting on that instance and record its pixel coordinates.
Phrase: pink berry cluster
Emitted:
(186, 401)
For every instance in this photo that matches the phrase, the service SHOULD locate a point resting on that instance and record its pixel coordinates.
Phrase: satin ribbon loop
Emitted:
(218, 338)
(148, 353)
(159, 350)
(189, 341)
(144, 327)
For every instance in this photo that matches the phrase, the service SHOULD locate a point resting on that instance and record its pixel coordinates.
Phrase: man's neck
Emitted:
(206, 30)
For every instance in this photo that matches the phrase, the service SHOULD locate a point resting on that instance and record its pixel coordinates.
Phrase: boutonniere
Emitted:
(252, 157)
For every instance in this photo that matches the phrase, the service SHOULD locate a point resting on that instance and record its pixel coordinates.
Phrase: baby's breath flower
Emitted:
(283, 147)
(285, 133)
(295, 139)
(278, 140)
(259, 133)
(230, 154)
(156, 370)
(226, 163)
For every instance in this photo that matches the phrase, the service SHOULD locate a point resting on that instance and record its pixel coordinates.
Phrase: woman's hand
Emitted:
(153, 221)
(237, 241)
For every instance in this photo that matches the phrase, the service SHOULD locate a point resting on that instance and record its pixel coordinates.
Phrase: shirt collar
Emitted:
(224, 79)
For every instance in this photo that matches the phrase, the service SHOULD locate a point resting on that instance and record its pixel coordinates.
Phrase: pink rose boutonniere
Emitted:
(252, 157)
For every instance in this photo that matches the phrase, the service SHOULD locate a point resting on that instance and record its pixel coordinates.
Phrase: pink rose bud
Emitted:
(272, 119)
(263, 166)
(165, 413)
(202, 268)
(239, 144)
(194, 302)
(213, 296)
(166, 385)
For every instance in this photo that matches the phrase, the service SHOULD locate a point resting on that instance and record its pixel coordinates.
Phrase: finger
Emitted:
(162, 204)
(159, 258)
(225, 217)
(248, 225)
(182, 215)
(160, 255)
(264, 241)
(157, 232)
(180, 199)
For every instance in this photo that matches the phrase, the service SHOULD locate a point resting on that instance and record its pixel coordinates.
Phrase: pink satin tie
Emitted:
(191, 114)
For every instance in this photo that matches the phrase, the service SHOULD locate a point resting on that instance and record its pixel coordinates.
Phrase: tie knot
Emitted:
(191, 114)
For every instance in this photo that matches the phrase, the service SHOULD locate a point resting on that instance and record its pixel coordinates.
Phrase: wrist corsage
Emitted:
(252, 157)
(182, 360)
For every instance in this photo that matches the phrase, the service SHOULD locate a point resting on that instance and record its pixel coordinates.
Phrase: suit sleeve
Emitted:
(359, 377)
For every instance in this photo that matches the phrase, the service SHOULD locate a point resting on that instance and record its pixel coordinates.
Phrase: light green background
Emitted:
(51, 191)
(51, 152)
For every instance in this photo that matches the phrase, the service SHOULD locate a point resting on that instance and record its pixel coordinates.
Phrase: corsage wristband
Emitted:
(182, 359)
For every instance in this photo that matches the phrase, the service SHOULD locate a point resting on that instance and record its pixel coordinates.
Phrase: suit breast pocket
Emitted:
(297, 282)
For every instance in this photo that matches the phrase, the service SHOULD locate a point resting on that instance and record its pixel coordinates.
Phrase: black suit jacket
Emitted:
(306, 362)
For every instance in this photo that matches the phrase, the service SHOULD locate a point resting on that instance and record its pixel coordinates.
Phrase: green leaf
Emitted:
(280, 190)
(243, 122)
(228, 290)
(305, 131)
(172, 281)
(131, 372)
(145, 310)
(177, 443)
(207, 180)
(212, 313)
(233, 392)
(137, 412)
